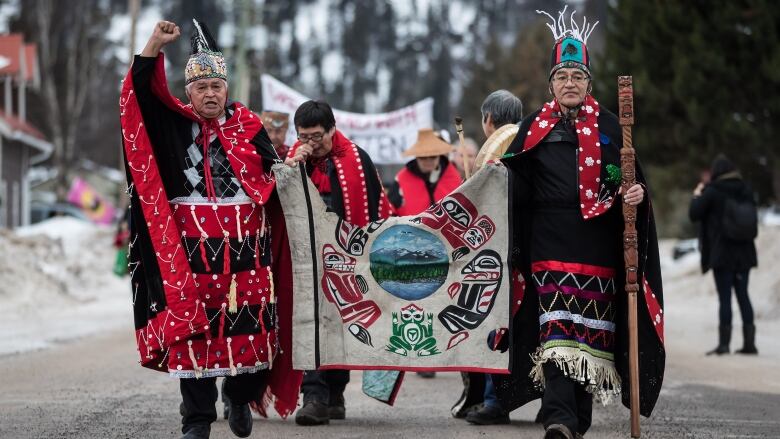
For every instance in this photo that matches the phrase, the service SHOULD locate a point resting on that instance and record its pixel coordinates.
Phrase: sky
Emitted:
(409, 238)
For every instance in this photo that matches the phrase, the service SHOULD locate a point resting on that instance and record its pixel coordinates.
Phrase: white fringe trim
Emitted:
(221, 372)
(598, 375)
(238, 200)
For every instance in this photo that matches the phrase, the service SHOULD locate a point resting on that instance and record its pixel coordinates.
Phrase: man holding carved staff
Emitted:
(569, 336)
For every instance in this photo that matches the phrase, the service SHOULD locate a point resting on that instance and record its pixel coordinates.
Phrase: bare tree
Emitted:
(72, 49)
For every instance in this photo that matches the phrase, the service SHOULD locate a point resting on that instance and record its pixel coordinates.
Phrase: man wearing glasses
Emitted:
(349, 185)
(570, 329)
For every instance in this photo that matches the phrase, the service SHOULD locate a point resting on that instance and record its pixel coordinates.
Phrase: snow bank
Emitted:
(56, 284)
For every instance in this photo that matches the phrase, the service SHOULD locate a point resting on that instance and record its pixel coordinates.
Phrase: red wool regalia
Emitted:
(212, 283)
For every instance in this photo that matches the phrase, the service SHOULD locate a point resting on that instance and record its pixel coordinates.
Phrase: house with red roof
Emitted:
(21, 144)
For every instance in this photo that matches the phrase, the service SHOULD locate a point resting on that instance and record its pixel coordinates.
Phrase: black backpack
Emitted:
(740, 219)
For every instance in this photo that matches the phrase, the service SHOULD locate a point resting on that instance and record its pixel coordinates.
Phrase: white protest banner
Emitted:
(383, 135)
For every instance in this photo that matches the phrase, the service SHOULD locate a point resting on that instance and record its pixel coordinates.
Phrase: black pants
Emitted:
(565, 401)
(322, 385)
(725, 280)
(200, 395)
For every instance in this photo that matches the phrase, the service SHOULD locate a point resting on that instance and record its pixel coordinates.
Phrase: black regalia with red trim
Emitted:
(209, 261)
(567, 244)
(567, 228)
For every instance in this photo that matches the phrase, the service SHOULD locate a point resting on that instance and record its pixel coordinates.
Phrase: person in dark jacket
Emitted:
(729, 259)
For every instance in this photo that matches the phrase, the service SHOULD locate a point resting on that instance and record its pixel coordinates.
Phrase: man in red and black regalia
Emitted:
(348, 183)
(570, 331)
(426, 179)
(209, 263)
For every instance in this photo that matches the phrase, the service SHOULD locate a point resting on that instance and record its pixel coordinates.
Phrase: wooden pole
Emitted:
(462, 147)
(133, 7)
(630, 254)
(242, 67)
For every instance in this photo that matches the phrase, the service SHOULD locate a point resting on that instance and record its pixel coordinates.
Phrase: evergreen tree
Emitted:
(522, 69)
(528, 67)
(440, 76)
(703, 74)
(486, 75)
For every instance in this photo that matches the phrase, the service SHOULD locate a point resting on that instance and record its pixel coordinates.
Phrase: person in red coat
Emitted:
(426, 179)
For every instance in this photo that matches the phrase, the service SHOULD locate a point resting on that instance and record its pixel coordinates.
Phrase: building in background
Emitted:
(21, 144)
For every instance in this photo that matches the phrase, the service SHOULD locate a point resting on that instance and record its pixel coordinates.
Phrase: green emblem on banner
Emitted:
(413, 332)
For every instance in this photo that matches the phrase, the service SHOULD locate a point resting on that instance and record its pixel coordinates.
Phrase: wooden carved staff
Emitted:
(459, 130)
(630, 254)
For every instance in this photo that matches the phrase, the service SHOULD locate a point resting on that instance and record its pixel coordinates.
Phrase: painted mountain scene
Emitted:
(408, 263)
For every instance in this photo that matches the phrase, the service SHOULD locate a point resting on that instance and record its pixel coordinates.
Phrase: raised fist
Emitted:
(165, 32)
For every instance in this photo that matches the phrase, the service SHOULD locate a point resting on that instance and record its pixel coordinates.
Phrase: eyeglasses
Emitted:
(316, 137)
(576, 79)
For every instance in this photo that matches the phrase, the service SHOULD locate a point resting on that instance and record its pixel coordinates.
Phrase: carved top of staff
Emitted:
(459, 129)
(626, 100)
(458, 124)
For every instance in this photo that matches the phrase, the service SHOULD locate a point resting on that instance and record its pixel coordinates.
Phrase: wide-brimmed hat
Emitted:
(428, 145)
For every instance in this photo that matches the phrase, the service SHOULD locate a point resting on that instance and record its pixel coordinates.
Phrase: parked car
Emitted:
(684, 246)
(40, 211)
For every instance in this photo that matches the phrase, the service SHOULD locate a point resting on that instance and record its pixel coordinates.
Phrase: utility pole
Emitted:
(133, 7)
(242, 68)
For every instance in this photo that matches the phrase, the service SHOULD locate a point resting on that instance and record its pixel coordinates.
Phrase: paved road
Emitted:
(93, 388)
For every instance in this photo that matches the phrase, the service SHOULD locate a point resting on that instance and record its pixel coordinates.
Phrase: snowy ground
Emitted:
(692, 302)
(691, 306)
(56, 284)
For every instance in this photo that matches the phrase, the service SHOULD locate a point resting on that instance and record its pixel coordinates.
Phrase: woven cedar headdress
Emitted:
(206, 61)
(570, 48)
